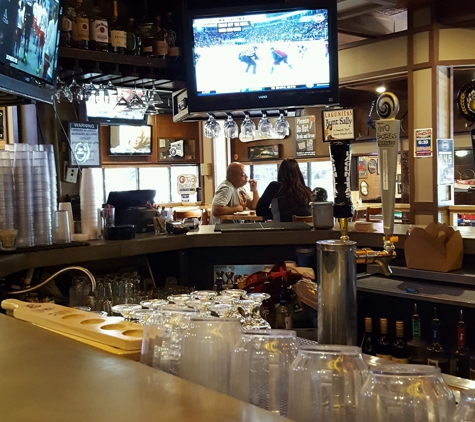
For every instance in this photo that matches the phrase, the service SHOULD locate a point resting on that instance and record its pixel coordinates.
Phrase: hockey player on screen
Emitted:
(279, 57)
(249, 56)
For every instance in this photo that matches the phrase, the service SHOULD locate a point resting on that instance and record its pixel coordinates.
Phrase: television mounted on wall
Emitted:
(130, 140)
(28, 57)
(261, 57)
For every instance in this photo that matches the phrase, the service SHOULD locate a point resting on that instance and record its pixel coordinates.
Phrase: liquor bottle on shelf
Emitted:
(117, 34)
(436, 355)
(383, 346)
(146, 31)
(218, 285)
(367, 345)
(80, 29)
(160, 45)
(283, 316)
(131, 46)
(417, 347)
(460, 359)
(98, 29)
(67, 24)
(268, 308)
(399, 352)
(174, 36)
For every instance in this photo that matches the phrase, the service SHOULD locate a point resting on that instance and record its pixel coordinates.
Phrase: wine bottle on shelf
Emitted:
(160, 45)
(131, 46)
(436, 355)
(146, 31)
(117, 34)
(367, 345)
(460, 359)
(174, 36)
(399, 352)
(383, 346)
(80, 29)
(417, 347)
(98, 29)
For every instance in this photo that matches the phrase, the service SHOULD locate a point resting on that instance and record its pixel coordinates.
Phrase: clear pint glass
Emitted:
(325, 382)
(260, 368)
(409, 393)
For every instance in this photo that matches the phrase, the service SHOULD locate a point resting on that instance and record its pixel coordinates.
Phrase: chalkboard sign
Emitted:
(84, 143)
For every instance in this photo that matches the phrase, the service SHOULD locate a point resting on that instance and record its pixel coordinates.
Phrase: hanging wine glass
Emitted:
(154, 96)
(212, 127)
(77, 93)
(282, 127)
(135, 102)
(265, 126)
(231, 129)
(122, 101)
(88, 90)
(248, 130)
(60, 84)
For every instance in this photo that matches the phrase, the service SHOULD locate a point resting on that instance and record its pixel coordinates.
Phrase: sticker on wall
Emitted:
(423, 142)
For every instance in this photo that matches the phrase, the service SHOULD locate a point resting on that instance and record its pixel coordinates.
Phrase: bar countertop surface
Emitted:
(203, 237)
(46, 377)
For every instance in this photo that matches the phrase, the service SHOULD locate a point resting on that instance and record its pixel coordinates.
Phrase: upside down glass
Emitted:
(466, 407)
(409, 393)
(207, 351)
(260, 368)
(325, 382)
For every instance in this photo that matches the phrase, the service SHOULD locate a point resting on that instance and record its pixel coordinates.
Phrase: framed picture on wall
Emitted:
(372, 165)
(362, 168)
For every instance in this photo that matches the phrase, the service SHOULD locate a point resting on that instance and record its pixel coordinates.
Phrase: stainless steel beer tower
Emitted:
(336, 259)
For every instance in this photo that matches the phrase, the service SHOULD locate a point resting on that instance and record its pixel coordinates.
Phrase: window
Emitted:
(162, 179)
(263, 174)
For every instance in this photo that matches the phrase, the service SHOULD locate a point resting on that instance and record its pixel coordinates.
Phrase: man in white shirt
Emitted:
(231, 196)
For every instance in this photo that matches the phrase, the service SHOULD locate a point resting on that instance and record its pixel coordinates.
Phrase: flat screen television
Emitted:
(29, 34)
(113, 108)
(130, 140)
(262, 56)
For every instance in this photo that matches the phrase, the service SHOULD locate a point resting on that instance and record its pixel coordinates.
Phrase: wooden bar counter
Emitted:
(50, 378)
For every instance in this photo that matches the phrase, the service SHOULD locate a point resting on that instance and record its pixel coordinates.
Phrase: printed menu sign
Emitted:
(423, 142)
(305, 136)
(84, 142)
(338, 124)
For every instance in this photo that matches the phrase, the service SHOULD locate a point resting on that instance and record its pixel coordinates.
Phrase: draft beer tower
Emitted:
(337, 258)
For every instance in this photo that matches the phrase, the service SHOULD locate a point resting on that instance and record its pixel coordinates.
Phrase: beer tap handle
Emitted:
(387, 138)
(340, 153)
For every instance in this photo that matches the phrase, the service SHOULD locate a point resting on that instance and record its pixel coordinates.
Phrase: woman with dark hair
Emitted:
(286, 197)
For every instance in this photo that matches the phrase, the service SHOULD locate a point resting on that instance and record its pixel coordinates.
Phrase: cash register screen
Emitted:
(130, 198)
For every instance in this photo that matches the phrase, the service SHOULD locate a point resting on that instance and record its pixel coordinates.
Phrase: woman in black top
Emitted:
(286, 197)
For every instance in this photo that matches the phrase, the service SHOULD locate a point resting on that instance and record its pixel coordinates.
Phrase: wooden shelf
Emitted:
(121, 69)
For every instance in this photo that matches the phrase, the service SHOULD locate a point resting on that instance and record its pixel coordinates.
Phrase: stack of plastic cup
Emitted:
(25, 210)
(41, 186)
(89, 204)
(7, 209)
(52, 173)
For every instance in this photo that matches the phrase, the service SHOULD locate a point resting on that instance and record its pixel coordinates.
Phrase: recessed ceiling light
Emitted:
(380, 89)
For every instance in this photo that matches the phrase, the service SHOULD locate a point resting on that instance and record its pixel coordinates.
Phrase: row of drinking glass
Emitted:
(74, 92)
(231, 303)
(276, 371)
(248, 133)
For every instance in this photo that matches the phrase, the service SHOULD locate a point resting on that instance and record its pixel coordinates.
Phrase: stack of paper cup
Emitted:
(89, 204)
(23, 179)
(7, 203)
(42, 199)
